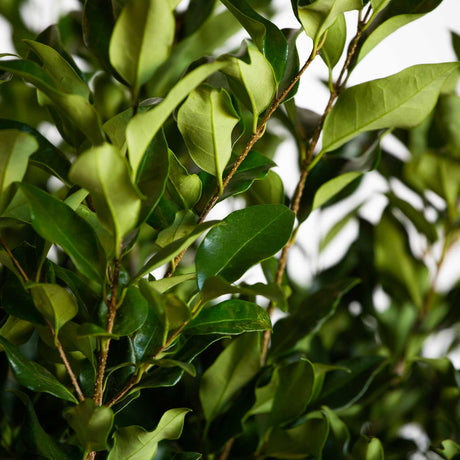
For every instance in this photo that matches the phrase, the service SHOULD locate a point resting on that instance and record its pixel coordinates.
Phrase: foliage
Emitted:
(128, 326)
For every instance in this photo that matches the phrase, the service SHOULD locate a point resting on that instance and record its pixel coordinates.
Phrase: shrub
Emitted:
(129, 329)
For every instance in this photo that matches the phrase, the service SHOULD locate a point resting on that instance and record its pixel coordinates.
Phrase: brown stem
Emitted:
(13, 259)
(91, 456)
(305, 168)
(104, 352)
(253, 139)
(225, 455)
(135, 378)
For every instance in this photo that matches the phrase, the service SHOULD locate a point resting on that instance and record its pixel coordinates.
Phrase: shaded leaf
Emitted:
(32, 375)
(132, 314)
(368, 449)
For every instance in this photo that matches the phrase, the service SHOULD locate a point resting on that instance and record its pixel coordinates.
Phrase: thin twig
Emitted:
(13, 259)
(225, 455)
(306, 167)
(259, 132)
(103, 354)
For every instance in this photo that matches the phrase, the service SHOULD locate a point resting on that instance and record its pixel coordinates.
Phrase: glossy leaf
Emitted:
(268, 38)
(233, 369)
(144, 126)
(401, 100)
(318, 16)
(184, 223)
(55, 303)
(182, 185)
(73, 234)
(230, 317)
(32, 375)
(16, 147)
(16, 331)
(91, 423)
(135, 443)
(104, 173)
(141, 24)
(165, 284)
(47, 157)
(257, 79)
(206, 120)
(75, 107)
(245, 238)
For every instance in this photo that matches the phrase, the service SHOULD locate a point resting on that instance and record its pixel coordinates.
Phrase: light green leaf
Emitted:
(184, 223)
(73, 234)
(333, 47)
(230, 317)
(143, 127)
(233, 369)
(256, 77)
(15, 149)
(206, 120)
(32, 375)
(402, 100)
(104, 173)
(166, 284)
(379, 5)
(74, 107)
(64, 76)
(134, 443)
(166, 254)
(318, 16)
(55, 303)
(333, 187)
(184, 187)
(368, 449)
(141, 40)
(245, 238)
(91, 423)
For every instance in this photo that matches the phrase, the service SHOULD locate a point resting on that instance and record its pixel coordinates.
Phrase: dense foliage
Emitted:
(128, 328)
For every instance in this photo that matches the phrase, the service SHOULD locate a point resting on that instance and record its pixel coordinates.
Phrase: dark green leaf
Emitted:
(230, 317)
(32, 375)
(132, 314)
(243, 239)
(73, 234)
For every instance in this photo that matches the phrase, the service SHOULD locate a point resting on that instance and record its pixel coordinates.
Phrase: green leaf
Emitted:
(206, 120)
(318, 16)
(141, 40)
(132, 314)
(64, 76)
(184, 223)
(368, 449)
(397, 15)
(104, 173)
(47, 157)
(15, 149)
(134, 443)
(256, 77)
(294, 391)
(32, 375)
(450, 450)
(16, 330)
(244, 238)
(402, 100)
(269, 190)
(230, 317)
(268, 38)
(165, 284)
(153, 173)
(309, 316)
(92, 424)
(144, 126)
(73, 234)
(304, 440)
(233, 369)
(55, 303)
(334, 45)
(185, 188)
(166, 254)
(333, 187)
(456, 43)
(74, 107)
